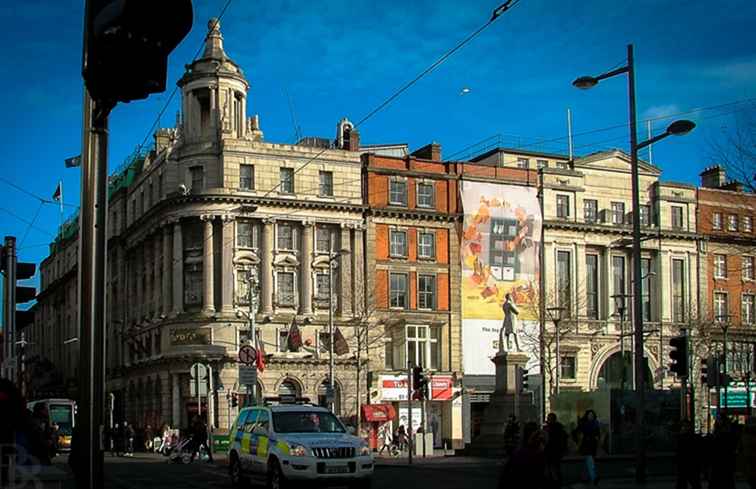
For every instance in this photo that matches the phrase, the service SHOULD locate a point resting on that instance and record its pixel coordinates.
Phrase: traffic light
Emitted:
(419, 384)
(523, 379)
(234, 399)
(679, 355)
(127, 43)
(17, 294)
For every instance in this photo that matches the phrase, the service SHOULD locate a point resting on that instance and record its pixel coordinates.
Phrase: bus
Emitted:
(61, 413)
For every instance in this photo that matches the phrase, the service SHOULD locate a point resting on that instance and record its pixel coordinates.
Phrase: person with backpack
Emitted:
(556, 448)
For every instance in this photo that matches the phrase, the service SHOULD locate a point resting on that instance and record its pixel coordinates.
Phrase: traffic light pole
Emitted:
(9, 308)
(92, 266)
(409, 413)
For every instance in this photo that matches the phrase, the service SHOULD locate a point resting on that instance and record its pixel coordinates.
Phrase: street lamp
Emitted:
(332, 256)
(619, 305)
(556, 316)
(677, 128)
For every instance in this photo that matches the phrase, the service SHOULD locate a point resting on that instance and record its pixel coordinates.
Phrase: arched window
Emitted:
(323, 401)
(289, 388)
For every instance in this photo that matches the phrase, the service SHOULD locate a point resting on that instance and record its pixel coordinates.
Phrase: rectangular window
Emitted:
(618, 213)
(422, 347)
(747, 313)
(426, 245)
(523, 163)
(590, 210)
(563, 206)
(564, 282)
(732, 222)
(425, 197)
(324, 239)
(748, 268)
(677, 217)
(568, 364)
(678, 290)
(287, 180)
(197, 174)
(283, 340)
(285, 237)
(242, 285)
(398, 192)
(591, 286)
(747, 224)
(716, 220)
(426, 291)
(285, 288)
(193, 284)
(398, 290)
(326, 184)
(618, 278)
(540, 164)
(646, 288)
(720, 307)
(720, 266)
(645, 215)
(562, 165)
(246, 177)
(321, 286)
(245, 234)
(398, 243)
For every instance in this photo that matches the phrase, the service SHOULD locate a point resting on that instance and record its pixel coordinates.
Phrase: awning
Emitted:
(378, 413)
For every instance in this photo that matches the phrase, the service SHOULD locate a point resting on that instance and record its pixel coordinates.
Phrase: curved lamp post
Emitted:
(677, 128)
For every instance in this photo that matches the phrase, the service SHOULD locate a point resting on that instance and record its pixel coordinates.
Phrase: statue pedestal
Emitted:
(505, 401)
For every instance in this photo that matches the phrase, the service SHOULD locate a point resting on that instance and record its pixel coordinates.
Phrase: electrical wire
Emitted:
(29, 226)
(25, 221)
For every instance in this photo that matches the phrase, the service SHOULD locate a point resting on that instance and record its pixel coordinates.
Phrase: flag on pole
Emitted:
(58, 194)
(294, 338)
(260, 353)
(340, 346)
(73, 161)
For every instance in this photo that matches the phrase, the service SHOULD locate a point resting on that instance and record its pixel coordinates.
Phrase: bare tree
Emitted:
(736, 150)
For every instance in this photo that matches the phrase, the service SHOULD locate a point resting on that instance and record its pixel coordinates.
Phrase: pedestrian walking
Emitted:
(688, 455)
(589, 433)
(119, 435)
(526, 468)
(129, 434)
(384, 437)
(555, 450)
(723, 445)
(401, 437)
(511, 436)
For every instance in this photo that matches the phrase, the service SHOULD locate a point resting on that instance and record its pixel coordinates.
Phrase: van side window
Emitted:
(263, 421)
(249, 423)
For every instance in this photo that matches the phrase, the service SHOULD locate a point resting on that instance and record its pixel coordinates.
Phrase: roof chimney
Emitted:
(713, 177)
(430, 151)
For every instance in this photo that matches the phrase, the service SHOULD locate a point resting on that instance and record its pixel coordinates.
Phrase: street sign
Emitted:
(198, 370)
(198, 385)
(247, 376)
(247, 355)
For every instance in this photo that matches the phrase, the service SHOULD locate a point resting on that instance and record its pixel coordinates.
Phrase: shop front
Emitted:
(376, 417)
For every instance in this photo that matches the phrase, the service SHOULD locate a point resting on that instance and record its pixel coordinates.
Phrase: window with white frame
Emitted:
(748, 312)
(285, 236)
(246, 234)
(716, 220)
(286, 184)
(590, 210)
(398, 191)
(720, 307)
(426, 245)
(563, 206)
(568, 366)
(423, 348)
(398, 290)
(732, 222)
(678, 290)
(645, 215)
(564, 282)
(747, 224)
(325, 238)
(592, 286)
(618, 213)
(425, 195)
(748, 268)
(285, 292)
(398, 243)
(426, 291)
(677, 217)
(720, 266)
(321, 286)
(246, 177)
(540, 164)
(523, 163)
(563, 165)
(326, 184)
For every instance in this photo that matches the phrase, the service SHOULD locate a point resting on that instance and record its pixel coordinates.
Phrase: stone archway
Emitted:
(606, 368)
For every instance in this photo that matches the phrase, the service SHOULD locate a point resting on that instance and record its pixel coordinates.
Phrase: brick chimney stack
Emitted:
(430, 151)
(713, 177)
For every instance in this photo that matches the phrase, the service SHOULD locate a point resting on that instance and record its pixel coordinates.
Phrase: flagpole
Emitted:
(61, 203)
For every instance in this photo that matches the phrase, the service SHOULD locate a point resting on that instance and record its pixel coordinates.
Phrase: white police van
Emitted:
(278, 444)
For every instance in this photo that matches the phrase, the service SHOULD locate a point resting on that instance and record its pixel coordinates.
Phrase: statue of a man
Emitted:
(510, 323)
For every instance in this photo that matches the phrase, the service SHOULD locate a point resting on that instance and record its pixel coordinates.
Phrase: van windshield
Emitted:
(307, 422)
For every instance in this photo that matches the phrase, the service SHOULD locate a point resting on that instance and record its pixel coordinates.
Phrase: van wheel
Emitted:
(276, 479)
(235, 471)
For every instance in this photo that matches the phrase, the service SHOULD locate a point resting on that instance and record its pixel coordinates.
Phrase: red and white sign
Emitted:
(441, 387)
(393, 387)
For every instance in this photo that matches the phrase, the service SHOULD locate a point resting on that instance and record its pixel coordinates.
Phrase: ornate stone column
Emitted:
(227, 264)
(166, 270)
(139, 273)
(266, 268)
(305, 301)
(359, 271)
(178, 269)
(157, 281)
(345, 271)
(208, 302)
(175, 400)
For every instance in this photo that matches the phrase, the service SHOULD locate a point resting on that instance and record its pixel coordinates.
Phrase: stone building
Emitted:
(190, 222)
(588, 265)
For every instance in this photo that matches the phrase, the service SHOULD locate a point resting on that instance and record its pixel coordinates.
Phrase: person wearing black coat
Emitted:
(590, 433)
(556, 448)
(688, 455)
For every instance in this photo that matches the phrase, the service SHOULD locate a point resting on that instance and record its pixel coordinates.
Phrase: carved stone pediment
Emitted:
(246, 257)
(286, 260)
(321, 262)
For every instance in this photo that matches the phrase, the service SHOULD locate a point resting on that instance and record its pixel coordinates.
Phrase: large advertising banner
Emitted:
(500, 249)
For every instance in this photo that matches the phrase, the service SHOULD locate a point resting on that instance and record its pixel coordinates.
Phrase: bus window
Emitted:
(62, 415)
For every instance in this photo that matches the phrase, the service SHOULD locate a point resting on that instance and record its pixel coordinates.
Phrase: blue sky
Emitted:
(342, 58)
